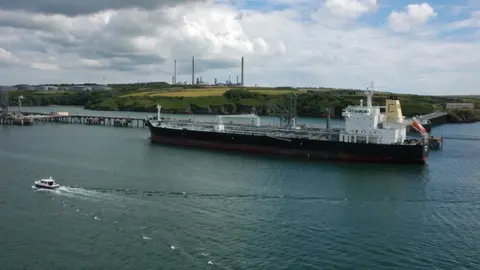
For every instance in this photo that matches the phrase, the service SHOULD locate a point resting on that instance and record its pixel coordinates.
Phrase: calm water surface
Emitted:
(127, 204)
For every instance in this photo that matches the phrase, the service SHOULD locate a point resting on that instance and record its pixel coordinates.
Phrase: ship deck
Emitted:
(299, 133)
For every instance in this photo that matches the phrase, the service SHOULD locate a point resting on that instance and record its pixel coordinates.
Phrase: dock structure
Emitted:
(435, 118)
(432, 115)
(435, 143)
(29, 118)
(16, 120)
(430, 120)
(111, 121)
(66, 118)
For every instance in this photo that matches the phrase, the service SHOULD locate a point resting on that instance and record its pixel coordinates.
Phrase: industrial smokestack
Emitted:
(193, 70)
(242, 74)
(175, 72)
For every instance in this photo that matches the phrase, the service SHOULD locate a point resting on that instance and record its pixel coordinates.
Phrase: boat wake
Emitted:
(132, 196)
(131, 193)
(84, 194)
(74, 193)
(92, 195)
(244, 196)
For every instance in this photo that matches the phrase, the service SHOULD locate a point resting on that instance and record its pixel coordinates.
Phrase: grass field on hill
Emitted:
(202, 92)
(275, 91)
(207, 92)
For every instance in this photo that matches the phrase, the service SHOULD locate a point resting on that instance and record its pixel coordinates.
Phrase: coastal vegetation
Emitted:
(224, 100)
(467, 116)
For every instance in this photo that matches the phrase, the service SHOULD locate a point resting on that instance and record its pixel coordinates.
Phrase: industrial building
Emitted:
(460, 106)
(198, 81)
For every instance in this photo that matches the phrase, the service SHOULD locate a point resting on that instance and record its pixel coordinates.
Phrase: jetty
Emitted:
(435, 118)
(67, 118)
(29, 118)
(18, 120)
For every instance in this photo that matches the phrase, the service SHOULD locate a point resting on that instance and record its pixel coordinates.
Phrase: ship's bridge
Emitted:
(358, 110)
(361, 121)
(367, 124)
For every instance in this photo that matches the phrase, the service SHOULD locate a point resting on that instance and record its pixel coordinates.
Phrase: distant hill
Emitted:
(204, 99)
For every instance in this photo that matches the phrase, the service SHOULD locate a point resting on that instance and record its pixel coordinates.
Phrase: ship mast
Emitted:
(287, 115)
(369, 94)
(159, 108)
(20, 105)
(292, 110)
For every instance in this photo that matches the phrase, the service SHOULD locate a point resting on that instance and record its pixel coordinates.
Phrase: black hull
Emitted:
(312, 149)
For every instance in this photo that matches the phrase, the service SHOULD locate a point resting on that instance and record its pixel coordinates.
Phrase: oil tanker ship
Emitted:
(368, 136)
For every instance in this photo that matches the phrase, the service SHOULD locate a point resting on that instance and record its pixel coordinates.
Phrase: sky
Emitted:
(420, 47)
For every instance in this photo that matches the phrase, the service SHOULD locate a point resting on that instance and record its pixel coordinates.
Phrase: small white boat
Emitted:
(47, 183)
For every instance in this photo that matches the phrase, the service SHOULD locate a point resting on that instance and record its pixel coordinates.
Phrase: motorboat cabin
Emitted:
(47, 183)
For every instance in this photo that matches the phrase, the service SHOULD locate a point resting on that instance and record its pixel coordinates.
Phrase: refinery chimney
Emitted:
(193, 70)
(242, 74)
(175, 72)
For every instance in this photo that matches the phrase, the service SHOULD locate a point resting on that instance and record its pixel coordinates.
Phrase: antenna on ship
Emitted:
(292, 110)
(369, 94)
(20, 105)
(288, 118)
(286, 112)
(327, 112)
(159, 108)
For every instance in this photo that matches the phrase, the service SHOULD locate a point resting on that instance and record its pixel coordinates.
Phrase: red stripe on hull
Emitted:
(282, 151)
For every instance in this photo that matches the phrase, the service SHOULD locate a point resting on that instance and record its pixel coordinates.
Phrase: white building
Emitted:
(23, 87)
(100, 87)
(40, 88)
(460, 106)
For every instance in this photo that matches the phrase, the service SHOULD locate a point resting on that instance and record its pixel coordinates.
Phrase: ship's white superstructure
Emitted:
(366, 124)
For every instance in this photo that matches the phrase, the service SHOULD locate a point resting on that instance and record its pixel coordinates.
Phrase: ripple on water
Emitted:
(235, 211)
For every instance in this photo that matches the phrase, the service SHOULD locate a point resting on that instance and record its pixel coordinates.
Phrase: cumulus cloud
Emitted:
(414, 15)
(350, 8)
(281, 47)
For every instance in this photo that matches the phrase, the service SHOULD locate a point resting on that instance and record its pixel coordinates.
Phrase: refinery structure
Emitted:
(199, 80)
(194, 81)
